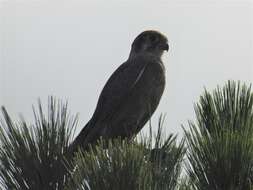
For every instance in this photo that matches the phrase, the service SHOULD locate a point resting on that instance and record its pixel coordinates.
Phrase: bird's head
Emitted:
(151, 42)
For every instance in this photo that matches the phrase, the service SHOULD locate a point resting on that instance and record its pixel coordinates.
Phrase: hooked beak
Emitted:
(166, 47)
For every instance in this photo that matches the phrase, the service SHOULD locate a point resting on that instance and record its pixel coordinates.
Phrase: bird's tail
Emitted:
(79, 141)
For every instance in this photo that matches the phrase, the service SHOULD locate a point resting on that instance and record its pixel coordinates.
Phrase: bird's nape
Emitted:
(131, 94)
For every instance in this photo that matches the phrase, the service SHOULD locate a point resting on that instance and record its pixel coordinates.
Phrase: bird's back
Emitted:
(141, 102)
(127, 101)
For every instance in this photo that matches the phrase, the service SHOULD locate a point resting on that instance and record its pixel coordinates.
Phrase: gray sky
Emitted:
(69, 49)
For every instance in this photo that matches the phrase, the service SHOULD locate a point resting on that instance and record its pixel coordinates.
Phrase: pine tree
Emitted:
(219, 144)
(34, 156)
(218, 147)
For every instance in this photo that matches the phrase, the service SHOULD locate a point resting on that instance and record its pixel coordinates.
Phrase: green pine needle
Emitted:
(31, 156)
(219, 151)
(130, 165)
(220, 146)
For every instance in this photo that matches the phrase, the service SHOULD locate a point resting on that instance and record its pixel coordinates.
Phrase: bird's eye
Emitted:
(152, 38)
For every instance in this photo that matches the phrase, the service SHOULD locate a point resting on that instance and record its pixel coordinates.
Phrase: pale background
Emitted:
(69, 49)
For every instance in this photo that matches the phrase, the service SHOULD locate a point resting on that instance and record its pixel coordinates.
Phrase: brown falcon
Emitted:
(132, 93)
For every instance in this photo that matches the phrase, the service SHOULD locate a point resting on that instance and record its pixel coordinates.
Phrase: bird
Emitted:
(131, 94)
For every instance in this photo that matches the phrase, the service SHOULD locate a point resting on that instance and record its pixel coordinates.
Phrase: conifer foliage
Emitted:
(216, 151)
(220, 143)
(135, 165)
(32, 156)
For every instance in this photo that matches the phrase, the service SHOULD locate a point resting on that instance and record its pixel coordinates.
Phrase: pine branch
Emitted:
(130, 165)
(31, 156)
(220, 148)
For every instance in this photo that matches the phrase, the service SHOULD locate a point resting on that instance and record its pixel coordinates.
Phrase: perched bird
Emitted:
(131, 95)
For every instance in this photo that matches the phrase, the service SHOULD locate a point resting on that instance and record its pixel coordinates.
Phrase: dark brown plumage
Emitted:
(131, 95)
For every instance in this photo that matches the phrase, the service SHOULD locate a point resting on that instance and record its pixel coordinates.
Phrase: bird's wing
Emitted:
(118, 87)
(114, 95)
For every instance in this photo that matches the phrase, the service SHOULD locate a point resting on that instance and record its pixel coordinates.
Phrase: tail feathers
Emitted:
(79, 141)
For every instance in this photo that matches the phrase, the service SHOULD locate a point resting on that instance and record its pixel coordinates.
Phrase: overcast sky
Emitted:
(69, 49)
